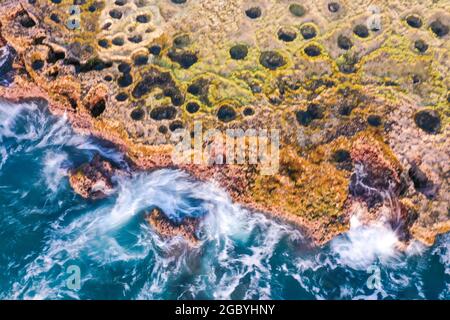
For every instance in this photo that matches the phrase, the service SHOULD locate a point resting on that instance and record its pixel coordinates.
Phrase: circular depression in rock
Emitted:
(226, 113)
(308, 31)
(271, 60)
(163, 113)
(118, 41)
(303, 118)
(361, 31)
(286, 34)
(439, 29)
(312, 51)
(344, 42)
(428, 120)
(181, 41)
(115, 14)
(185, 59)
(37, 64)
(253, 12)
(98, 108)
(174, 126)
(334, 7)
(163, 129)
(297, 10)
(125, 80)
(414, 21)
(137, 114)
(192, 107)
(55, 18)
(239, 52)
(341, 156)
(374, 120)
(249, 112)
(140, 60)
(155, 50)
(122, 96)
(313, 111)
(135, 39)
(421, 46)
(143, 18)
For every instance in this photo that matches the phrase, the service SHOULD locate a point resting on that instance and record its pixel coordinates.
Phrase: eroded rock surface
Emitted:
(93, 180)
(167, 228)
(330, 75)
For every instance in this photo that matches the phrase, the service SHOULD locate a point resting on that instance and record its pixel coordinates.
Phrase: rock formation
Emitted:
(167, 228)
(93, 180)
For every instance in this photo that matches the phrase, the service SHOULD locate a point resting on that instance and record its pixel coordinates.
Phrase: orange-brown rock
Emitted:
(169, 229)
(93, 180)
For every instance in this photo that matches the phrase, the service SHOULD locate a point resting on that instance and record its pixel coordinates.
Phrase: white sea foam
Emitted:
(38, 127)
(3, 156)
(55, 169)
(364, 245)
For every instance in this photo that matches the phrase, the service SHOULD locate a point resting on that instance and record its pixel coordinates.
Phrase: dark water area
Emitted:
(7, 55)
(46, 230)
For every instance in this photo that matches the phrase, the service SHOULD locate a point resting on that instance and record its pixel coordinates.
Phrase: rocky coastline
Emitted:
(351, 144)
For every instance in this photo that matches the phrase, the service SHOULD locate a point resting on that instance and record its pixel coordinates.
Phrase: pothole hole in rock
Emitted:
(98, 108)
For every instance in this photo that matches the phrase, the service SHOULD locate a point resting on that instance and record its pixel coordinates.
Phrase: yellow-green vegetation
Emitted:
(303, 188)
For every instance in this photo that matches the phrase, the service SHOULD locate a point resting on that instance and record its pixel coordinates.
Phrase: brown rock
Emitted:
(377, 172)
(167, 228)
(93, 180)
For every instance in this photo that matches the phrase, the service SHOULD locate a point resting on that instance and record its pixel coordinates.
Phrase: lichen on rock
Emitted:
(347, 89)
